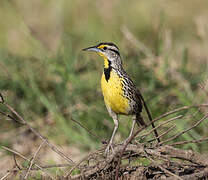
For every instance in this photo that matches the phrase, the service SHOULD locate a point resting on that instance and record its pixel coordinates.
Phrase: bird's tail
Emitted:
(150, 117)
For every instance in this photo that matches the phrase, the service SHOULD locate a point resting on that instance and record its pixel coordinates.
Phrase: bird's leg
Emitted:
(115, 119)
(132, 129)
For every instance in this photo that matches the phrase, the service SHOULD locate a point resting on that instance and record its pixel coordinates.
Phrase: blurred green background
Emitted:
(46, 77)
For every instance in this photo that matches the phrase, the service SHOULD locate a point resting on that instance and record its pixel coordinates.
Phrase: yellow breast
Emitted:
(112, 92)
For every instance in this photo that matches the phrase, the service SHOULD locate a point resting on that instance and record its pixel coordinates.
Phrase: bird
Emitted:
(120, 94)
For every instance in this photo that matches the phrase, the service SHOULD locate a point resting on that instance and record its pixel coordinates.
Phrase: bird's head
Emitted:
(109, 52)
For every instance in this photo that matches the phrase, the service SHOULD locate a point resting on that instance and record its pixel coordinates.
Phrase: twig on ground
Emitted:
(22, 156)
(188, 129)
(199, 175)
(9, 116)
(52, 146)
(161, 124)
(187, 155)
(180, 109)
(190, 141)
(14, 169)
(162, 154)
(33, 158)
(44, 167)
(164, 133)
(78, 163)
(15, 162)
(5, 176)
(162, 168)
(143, 127)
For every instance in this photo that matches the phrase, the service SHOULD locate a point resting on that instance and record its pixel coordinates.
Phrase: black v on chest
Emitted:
(107, 71)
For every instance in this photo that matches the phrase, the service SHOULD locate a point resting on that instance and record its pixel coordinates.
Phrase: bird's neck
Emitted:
(109, 66)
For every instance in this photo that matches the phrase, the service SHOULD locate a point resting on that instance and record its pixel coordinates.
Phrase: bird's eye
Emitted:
(104, 48)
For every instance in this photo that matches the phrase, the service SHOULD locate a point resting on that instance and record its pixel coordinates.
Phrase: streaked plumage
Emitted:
(120, 94)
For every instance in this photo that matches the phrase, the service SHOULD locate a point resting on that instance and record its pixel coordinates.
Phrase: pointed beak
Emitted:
(93, 48)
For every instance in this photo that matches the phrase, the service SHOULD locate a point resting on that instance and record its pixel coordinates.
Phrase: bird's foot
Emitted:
(107, 150)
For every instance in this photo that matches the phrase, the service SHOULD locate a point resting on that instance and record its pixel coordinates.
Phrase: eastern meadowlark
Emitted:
(120, 93)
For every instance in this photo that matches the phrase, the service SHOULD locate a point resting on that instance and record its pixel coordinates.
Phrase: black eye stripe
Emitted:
(115, 51)
(105, 48)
